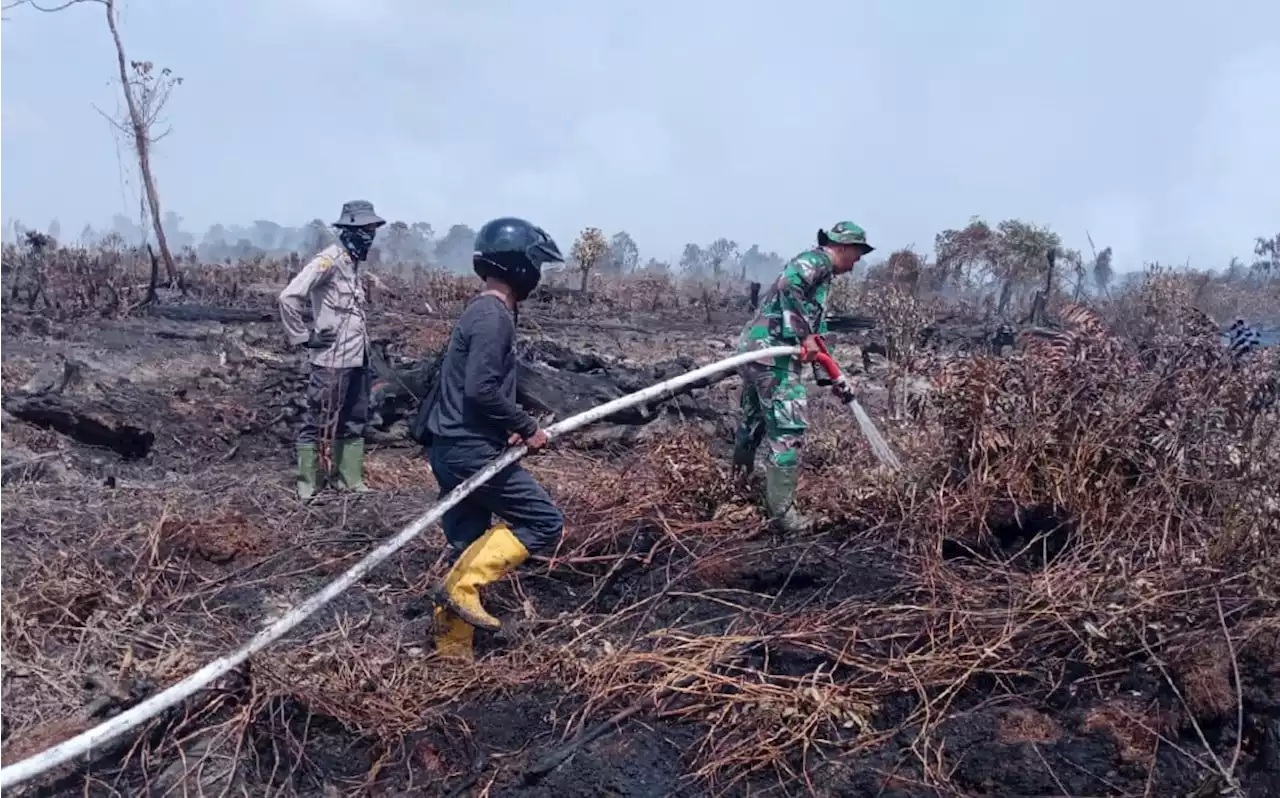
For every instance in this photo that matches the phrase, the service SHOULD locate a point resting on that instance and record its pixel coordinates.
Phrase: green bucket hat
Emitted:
(846, 233)
(358, 213)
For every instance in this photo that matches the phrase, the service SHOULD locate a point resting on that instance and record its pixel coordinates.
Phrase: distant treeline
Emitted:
(1011, 252)
(406, 244)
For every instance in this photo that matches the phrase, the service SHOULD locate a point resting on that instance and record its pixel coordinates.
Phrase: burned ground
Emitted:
(1072, 591)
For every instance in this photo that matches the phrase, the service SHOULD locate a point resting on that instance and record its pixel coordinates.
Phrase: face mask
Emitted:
(357, 241)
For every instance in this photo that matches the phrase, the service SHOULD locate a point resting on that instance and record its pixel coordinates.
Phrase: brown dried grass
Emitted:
(1160, 460)
(1025, 725)
(1203, 674)
(1135, 730)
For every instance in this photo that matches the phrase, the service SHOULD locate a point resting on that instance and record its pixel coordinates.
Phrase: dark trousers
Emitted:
(337, 404)
(512, 494)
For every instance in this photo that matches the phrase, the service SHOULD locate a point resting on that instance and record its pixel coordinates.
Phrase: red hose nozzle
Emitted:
(828, 364)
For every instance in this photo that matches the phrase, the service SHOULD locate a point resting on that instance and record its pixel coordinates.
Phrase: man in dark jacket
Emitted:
(475, 417)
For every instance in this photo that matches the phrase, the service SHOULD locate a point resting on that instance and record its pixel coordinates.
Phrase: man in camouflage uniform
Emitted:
(338, 388)
(792, 313)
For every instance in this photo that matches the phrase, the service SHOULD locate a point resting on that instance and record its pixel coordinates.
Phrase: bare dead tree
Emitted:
(589, 251)
(145, 94)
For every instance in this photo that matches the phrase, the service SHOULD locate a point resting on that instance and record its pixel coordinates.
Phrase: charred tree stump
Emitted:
(47, 401)
(195, 313)
(92, 423)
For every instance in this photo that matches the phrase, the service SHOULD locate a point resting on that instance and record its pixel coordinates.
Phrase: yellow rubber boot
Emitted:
(484, 562)
(453, 636)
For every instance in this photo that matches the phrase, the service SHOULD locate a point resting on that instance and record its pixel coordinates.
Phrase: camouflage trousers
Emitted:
(774, 407)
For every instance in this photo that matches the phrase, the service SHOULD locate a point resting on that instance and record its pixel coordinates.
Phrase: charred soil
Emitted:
(1069, 592)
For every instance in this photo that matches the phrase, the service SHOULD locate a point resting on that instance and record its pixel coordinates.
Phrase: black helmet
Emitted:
(513, 251)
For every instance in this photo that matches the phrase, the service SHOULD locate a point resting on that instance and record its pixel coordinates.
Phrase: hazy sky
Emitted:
(1152, 124)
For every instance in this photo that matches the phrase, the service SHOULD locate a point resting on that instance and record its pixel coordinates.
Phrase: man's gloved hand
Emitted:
(321, 339)
(821, 376)
(844, 392)
(810, 346)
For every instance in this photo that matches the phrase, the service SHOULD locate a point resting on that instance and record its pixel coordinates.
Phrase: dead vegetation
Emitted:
(1075, 590)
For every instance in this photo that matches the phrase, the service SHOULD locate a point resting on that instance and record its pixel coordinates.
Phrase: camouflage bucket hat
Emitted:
(358, 213)
(849, 234)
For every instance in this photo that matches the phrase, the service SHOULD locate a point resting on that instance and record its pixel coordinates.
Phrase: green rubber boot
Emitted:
(779, 496)
(349, 462)
(308, 471)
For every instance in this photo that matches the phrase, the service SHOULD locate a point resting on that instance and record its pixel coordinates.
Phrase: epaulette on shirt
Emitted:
(325, 260)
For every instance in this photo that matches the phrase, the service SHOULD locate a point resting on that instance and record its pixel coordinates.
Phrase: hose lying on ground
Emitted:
(12, 775)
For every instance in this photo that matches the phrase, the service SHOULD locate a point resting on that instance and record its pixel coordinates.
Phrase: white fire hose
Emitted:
(12, 775)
